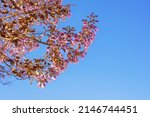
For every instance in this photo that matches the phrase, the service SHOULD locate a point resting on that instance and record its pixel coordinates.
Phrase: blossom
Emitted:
(27, 25)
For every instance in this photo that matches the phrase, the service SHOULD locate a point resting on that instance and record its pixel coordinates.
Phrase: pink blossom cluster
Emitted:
(23, 46)
(19, 35)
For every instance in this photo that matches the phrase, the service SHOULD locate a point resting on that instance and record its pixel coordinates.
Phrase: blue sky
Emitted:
(117, 65)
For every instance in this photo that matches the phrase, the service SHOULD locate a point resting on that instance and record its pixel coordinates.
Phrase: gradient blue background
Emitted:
(117, 65)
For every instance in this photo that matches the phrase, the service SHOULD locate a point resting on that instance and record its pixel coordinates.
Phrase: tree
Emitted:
(20, 21)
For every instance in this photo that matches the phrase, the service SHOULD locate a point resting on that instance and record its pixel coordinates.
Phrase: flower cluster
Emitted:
(20, 21)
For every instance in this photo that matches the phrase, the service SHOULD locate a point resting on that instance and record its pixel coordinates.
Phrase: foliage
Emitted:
(19, 35)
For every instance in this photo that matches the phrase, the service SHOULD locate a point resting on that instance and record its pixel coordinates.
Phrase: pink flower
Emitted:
(41, 84)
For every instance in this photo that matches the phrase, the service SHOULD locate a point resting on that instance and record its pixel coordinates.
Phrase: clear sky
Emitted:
(117, 65)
